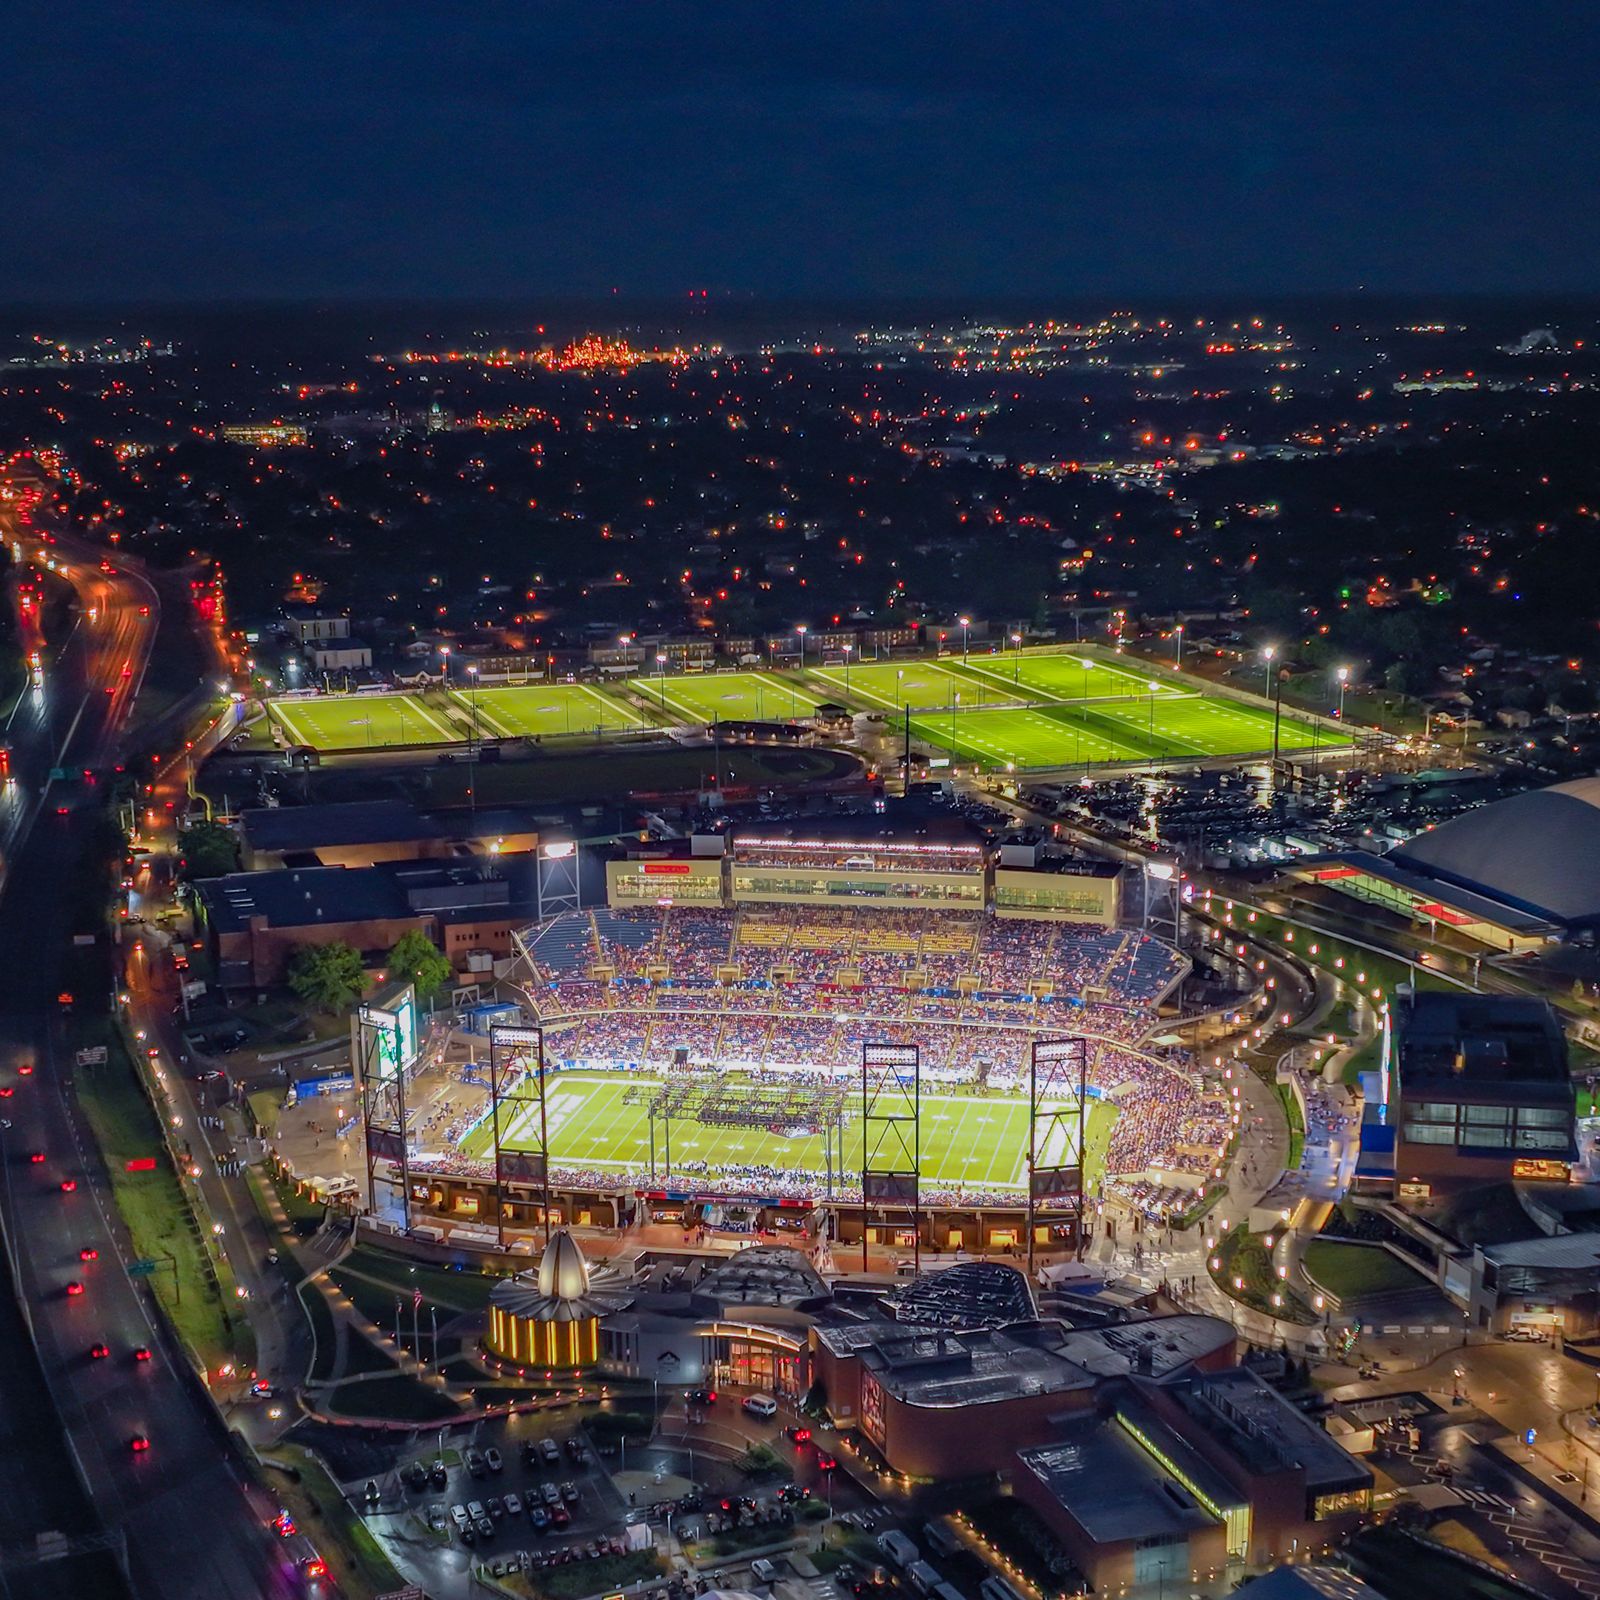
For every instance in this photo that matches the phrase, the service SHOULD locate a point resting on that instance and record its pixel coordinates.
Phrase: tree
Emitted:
(208, 850)
(328, 976)
(414, 960)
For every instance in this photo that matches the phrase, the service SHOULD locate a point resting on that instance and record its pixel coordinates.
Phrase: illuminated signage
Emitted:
(665, 869)
(392, 1031)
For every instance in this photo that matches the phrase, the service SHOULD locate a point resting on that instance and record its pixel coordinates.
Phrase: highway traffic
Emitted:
(151, 1444)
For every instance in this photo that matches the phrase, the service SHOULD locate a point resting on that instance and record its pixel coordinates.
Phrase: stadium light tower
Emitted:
(966, 624)
(444, 651)
(1177, 634)
(1266, 660)
(1016, 656)
(847, 649)
(800, 628)
(1343, 676)
(661, 676)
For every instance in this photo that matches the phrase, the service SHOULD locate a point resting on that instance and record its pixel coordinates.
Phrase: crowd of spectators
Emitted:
(974, 1020)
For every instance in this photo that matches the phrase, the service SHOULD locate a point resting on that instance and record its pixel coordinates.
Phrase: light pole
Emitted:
(899, 679)
(661, 677)
(1153, 686)
(966, 624)
(1343, 676)
(1177, 634)
(847, 650)
(1016, 656)
(472, 678)
(444, 650)
(1266, 676)
(801, 630)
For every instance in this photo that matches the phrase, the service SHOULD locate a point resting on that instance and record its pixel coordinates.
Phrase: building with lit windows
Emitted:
(1479, 1092)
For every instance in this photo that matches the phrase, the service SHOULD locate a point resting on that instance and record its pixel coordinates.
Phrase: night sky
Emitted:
(180, 151)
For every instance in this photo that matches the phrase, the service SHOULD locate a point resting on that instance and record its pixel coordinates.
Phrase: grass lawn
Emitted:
(398, 1399)
(320, 1314)
(369, 721)
(725, 697)
(598, 1120)
(153, 1207)
(615, 1573)
(1244, 1256)
(357, 1562)
(1297, 1126)
(545, 711)
(1351, 1271)
(362, 1356)
(461, 1291)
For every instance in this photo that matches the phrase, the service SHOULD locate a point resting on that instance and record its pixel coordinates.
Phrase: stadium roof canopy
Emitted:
(1538, 852)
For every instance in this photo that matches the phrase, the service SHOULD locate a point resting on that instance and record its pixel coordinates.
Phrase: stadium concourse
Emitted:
(752, 1001)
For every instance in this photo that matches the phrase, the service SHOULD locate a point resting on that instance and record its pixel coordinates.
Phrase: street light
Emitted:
(1266, 658)
(1343, 676)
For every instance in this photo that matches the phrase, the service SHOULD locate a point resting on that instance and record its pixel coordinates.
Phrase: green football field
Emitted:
(547, 710)
(1160, 728)
(368, 721)
(977, 1141)
(724, 697)
(882, 685)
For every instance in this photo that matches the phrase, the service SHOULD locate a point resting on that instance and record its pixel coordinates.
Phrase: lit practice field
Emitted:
(1073, 677)
(366, 721)
(968, 1141)
(724, 697)
(546, 710)
(920, 684)
(1160, 728)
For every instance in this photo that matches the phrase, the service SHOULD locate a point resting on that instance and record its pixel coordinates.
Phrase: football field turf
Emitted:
(367, 721)
(547, 710)
(725, 697)
(1160, 728)
(977, 1141)
(918, 684)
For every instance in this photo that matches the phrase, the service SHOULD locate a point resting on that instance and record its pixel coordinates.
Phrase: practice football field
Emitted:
(724, 697)
(367, 721)
(918, 684)
(975, 1141)
(1159, 729)
(547, 710)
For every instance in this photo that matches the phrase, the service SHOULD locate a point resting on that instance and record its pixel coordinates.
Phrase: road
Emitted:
(186, 1483)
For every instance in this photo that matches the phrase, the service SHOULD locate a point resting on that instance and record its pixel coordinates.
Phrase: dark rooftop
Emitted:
(1257, 1426)
(299, 897)
(1115, 1492)
(982, 1366)
(354, 822)
(1485, 1043)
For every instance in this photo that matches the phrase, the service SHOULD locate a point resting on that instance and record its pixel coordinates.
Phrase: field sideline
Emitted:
(968, 1141)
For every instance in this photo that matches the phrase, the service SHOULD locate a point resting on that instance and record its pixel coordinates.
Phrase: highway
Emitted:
(191, 1525)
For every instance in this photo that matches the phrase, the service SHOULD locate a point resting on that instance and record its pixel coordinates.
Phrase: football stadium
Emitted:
(764, 1024)
(1025, 710)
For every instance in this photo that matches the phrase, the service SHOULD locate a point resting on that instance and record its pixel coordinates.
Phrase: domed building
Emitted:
(550, 1317)
(1513, 874)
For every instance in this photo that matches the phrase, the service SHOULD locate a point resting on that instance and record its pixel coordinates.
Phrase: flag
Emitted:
(416, 1299)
